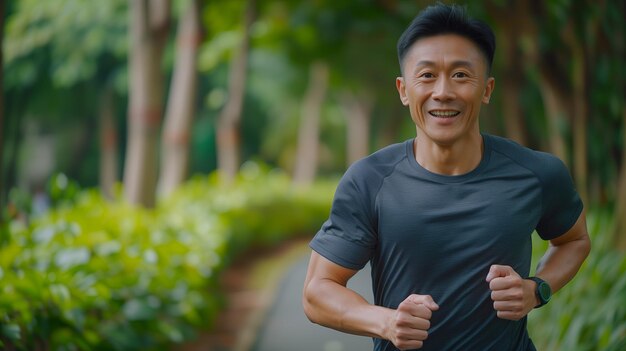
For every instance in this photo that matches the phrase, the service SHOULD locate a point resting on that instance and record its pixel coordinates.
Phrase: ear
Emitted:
(402, 91)
(491, 83)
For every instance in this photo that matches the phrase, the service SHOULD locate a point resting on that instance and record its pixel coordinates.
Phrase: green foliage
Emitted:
(223, 22)
(588, 313)
(70, 36)
(61, 189)
(108, 276)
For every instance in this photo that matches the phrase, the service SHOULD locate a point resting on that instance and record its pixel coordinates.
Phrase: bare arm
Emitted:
(514, 297)
(565, 255)
(327, 301)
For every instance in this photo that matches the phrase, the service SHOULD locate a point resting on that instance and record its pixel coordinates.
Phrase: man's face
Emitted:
(444, 83)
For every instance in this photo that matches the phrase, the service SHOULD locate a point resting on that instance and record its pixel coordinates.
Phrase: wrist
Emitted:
(542, 291)
(384, 329)
(532, 291)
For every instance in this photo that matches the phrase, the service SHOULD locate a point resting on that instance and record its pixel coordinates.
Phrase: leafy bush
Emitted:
(590, 312)
(109, 276)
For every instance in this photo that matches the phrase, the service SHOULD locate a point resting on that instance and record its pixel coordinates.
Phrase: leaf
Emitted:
(60, 292)
(68, 258)
(11, 331)
(217, 50)
(43, 235)
(138, 309)
(108, 248)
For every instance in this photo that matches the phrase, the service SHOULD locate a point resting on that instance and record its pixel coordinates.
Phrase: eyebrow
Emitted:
(457, 63)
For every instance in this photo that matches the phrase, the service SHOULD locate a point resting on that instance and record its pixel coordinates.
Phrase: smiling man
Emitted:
(445, 219)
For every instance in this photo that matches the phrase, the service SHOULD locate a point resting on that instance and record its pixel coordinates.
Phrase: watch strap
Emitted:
(540, 283)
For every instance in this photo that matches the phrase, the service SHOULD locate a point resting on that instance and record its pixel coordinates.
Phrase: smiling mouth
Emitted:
(444, 113)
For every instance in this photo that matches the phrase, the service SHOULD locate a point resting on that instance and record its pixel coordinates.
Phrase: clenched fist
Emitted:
(513, 297)
(409, 325)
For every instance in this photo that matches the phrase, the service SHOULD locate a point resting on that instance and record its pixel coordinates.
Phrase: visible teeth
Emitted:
(444, 113)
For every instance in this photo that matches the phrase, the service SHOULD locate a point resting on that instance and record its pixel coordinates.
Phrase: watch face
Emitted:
(544, 291)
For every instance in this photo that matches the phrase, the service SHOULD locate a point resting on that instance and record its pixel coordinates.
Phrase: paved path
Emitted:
(286, 328)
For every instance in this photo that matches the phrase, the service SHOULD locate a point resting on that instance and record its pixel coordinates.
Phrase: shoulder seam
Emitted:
(527, 168)
(382, 180)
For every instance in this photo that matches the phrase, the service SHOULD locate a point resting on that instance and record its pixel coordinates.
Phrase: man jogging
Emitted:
(445, 219)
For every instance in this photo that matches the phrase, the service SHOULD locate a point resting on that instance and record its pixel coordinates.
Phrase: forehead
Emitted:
(445, 48)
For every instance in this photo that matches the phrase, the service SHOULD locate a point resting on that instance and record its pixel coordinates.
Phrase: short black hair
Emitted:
(448, 19)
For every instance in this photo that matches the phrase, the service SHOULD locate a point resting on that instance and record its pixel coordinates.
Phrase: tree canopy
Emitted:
(559, 72)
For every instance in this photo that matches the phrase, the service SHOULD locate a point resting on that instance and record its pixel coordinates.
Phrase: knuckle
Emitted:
(426, 313)
(402, 335)
(406, 344)
(401, 320)
(427, 326)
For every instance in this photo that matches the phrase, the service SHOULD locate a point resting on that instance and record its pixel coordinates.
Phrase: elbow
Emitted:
(586, 246)
(584, 241)
(308, 303)
(580, 248)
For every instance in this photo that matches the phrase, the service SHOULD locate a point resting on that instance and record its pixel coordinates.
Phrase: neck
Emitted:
(458, 158)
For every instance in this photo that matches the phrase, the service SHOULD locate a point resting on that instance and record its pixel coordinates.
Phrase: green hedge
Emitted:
(590, 312)
(101, 275)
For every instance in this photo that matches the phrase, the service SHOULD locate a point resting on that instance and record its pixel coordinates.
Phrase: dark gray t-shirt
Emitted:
(437, 235)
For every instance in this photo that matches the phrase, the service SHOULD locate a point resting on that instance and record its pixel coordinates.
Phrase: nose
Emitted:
(442, 90)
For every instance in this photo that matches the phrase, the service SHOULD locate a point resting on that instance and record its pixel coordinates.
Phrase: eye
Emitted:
(460, 75)
(427, 75)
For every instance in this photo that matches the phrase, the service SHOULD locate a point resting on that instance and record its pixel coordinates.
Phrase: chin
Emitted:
(443, 137)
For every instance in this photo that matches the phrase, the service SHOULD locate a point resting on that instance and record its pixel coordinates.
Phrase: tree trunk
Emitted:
(513, 71)
(556, 115)
(619, 233)
(580, 123)
(108, 144)
(308, 135)
(551, 80)
(14, 122)
(230, 117)
(555, 105)
(509, 23)
(80, 147)
(358, 116)
(148, 31)
(2, 180)
(390, 130)
(181, 104)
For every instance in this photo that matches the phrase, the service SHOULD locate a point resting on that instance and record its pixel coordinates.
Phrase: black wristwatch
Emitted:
(542, 291)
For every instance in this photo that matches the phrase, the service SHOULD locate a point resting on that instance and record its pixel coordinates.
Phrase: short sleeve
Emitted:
(561, 204)
(348, 237)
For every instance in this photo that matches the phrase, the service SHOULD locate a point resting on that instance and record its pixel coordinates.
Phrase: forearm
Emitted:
(561, 262)
(335, 306)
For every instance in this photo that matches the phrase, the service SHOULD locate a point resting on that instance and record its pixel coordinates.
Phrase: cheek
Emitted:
(473, 96)
(417, 103)
(418, 117)
(419, 95)
(417, 110)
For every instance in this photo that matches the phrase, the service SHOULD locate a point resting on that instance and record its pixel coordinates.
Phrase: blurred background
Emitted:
(174, 118)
